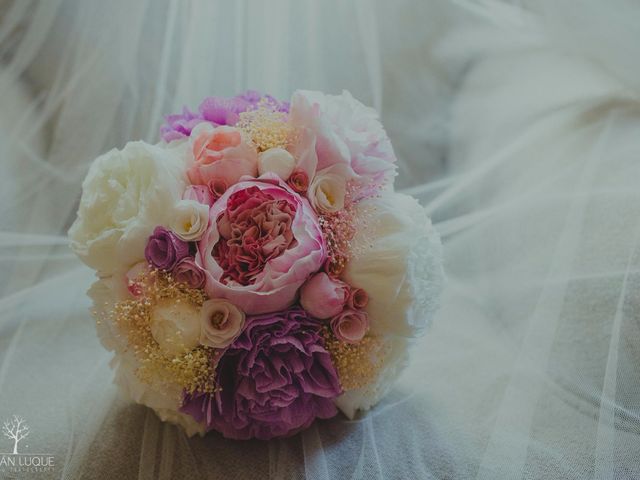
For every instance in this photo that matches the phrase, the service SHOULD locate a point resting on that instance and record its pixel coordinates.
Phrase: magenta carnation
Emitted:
(217, 111)
(275, 379)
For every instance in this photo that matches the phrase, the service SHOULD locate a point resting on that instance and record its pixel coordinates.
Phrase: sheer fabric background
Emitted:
(515, 124)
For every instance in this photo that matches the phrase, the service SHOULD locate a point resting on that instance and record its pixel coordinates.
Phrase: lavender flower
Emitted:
(216, 110)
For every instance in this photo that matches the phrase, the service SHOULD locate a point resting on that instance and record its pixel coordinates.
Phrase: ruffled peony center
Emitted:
(254, 229)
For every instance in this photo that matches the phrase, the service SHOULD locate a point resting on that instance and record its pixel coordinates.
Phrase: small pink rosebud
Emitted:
(323, 297)
(299, 181)
(350, 326)
(358, 298)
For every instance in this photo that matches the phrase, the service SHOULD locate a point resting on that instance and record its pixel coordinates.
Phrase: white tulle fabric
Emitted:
(515, 124)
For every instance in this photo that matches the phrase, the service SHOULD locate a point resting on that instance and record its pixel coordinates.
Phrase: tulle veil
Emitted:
(516, 125)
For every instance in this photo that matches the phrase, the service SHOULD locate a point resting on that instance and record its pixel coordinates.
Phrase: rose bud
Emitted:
(278, 161)
(358, 298)
(298, 181)
(323, 297)
(350, 326)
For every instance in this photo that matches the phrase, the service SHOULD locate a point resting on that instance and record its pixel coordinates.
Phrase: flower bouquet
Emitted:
(256, 270)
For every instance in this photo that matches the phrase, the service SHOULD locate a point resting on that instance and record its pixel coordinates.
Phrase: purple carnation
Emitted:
(164, 249)
(275, 379)
(216, 110)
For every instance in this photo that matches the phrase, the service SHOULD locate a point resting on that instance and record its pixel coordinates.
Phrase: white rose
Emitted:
(175, 326)
(327, 190)
(397, 260)
(278, 161)
(190, 220)
(221, 322)
(125, 195)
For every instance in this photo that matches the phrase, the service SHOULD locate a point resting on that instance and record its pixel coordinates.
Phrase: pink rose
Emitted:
(186, 271)
(350, 326)
(358, 298)
(262, 243)
(221, 156)
(298, 181)
(323, 297)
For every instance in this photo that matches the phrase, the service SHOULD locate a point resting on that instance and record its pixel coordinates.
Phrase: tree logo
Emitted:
(17, 462)
(15, 429)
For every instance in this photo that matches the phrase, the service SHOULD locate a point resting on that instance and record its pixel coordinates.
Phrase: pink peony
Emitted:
(262, 243)
(221, 156)
(323, 297)
(350, 326)
(348, 133)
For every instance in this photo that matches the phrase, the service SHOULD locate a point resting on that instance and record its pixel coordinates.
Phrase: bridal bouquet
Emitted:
(256, 269)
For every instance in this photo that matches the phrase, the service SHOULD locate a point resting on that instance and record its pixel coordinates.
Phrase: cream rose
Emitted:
(327, 191)
(125, 195)
(175, 326)
(397, 260)
(190, 220)
(220, 323)
(278, 161)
